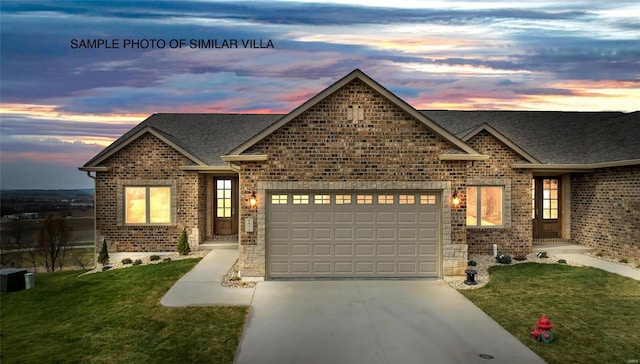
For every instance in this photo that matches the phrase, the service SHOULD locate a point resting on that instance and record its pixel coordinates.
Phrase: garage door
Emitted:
(353, 234)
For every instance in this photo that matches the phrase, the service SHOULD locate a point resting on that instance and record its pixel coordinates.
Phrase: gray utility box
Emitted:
(29, 281)
(12, 279)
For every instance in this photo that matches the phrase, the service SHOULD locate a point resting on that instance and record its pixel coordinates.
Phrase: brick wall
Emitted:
(605, 211)
(387, 148)
(149, 161)
(516, 236)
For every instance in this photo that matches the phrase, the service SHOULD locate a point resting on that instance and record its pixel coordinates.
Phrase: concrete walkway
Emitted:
(202, 285)
(586, 260)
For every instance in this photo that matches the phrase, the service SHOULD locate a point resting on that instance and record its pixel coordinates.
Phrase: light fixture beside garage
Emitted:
(455, 198)
(253, 202)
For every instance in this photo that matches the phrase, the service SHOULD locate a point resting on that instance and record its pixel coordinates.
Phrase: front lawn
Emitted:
(114, 317)
(596, 314)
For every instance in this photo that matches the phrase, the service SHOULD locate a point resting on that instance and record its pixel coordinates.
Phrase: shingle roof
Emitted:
(550, 137)
(555, 137)
(206, 136)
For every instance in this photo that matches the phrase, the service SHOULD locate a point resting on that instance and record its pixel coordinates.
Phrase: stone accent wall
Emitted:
(148, 161)
(515, 237)
(322, 148)
(605, 211)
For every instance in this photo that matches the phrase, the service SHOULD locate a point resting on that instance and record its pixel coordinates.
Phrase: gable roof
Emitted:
(467, 151)
(203, 138)
(555, 137)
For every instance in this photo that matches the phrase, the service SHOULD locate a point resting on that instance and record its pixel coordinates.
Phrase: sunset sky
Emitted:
(61, 105)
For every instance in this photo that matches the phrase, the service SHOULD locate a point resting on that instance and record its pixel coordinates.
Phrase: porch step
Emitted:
(218, 244)
(562, 248)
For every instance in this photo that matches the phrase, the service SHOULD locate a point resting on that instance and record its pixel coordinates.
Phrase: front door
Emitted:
(226, 206)
(546, 198)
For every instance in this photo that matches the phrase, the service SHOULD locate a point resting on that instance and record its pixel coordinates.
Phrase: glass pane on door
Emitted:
(550, 198)
(223, 193)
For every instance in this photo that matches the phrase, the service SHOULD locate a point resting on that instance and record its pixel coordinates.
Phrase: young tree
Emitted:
(183, 243)
(103, 256)
(53, 240)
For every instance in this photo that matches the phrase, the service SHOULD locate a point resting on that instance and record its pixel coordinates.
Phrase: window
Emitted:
(549, 198)
(385, 199)
(223, 194)
(406, 199)
(147, 205)
(364, 199)
(322, 199)
(279, 199)
(427, 199)
(300, 199)
(484, 206)
(343, 199)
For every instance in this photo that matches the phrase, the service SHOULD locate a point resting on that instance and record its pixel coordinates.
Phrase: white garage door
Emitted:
(353, 234)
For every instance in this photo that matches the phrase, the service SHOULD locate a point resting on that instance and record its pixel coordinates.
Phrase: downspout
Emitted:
(95, 231)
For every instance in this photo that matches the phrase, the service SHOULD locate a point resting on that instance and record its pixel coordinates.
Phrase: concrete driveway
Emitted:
(363, 321)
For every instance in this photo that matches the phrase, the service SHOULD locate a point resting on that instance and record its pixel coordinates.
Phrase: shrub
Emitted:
(562, 261)
(154, 257)
(503, 258)
(167, 259)
(103, 256)
(542, 255)
(600, 254)
(472, 263)
(520, 257)
(137, 262)
(126, 261)
(624, 260)
(183, 243)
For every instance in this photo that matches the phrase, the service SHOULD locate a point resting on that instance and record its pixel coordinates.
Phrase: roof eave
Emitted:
(575, 167)
(144, 130)
(94, 169)
(500, 137)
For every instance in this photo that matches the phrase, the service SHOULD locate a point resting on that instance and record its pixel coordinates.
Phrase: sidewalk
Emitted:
(612, 267)
(202, 285)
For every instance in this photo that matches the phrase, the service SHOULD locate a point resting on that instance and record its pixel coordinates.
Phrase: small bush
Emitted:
(624, 260)
(503, 258)
(166, 260)
(562, 261)
(126, 261)
(542, 255)
(472, 263)
(154, 257)
(183, 243)
(137, 262)
(600, 254)
(103, 256)
(520, 257)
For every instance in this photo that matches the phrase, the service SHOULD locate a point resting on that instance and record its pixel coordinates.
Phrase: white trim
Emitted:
(208, 169)
(463, 157)
(245, 158)
(94, 169)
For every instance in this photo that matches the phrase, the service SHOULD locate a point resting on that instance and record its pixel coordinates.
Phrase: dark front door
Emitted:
(547, 207)
(226, 206)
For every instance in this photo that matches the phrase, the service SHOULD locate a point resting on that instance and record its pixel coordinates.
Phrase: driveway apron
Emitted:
(366, 321)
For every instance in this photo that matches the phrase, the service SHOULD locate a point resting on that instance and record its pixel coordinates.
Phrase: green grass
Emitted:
(596, 314)
(114, 317)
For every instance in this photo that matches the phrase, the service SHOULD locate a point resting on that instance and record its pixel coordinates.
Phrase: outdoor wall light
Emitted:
(455, 199)
(253, 201)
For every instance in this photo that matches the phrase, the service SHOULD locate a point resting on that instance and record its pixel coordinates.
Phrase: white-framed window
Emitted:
(485, 205)
(343, 199)
(147, 205)
(322, 199)
(406, 199)
(427, 199)
(300, 199)
(279, 199)
(364, 199)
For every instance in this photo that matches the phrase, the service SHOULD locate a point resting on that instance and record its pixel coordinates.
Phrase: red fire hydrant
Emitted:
(542, 330)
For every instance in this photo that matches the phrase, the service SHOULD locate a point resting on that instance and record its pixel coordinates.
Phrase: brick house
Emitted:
(357, 183)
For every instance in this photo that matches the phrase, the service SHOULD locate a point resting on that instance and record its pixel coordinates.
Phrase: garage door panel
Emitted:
(388, 236)
(300, 250)
(364, 250)
(343, 250)
(321, 250)
(322, 233)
